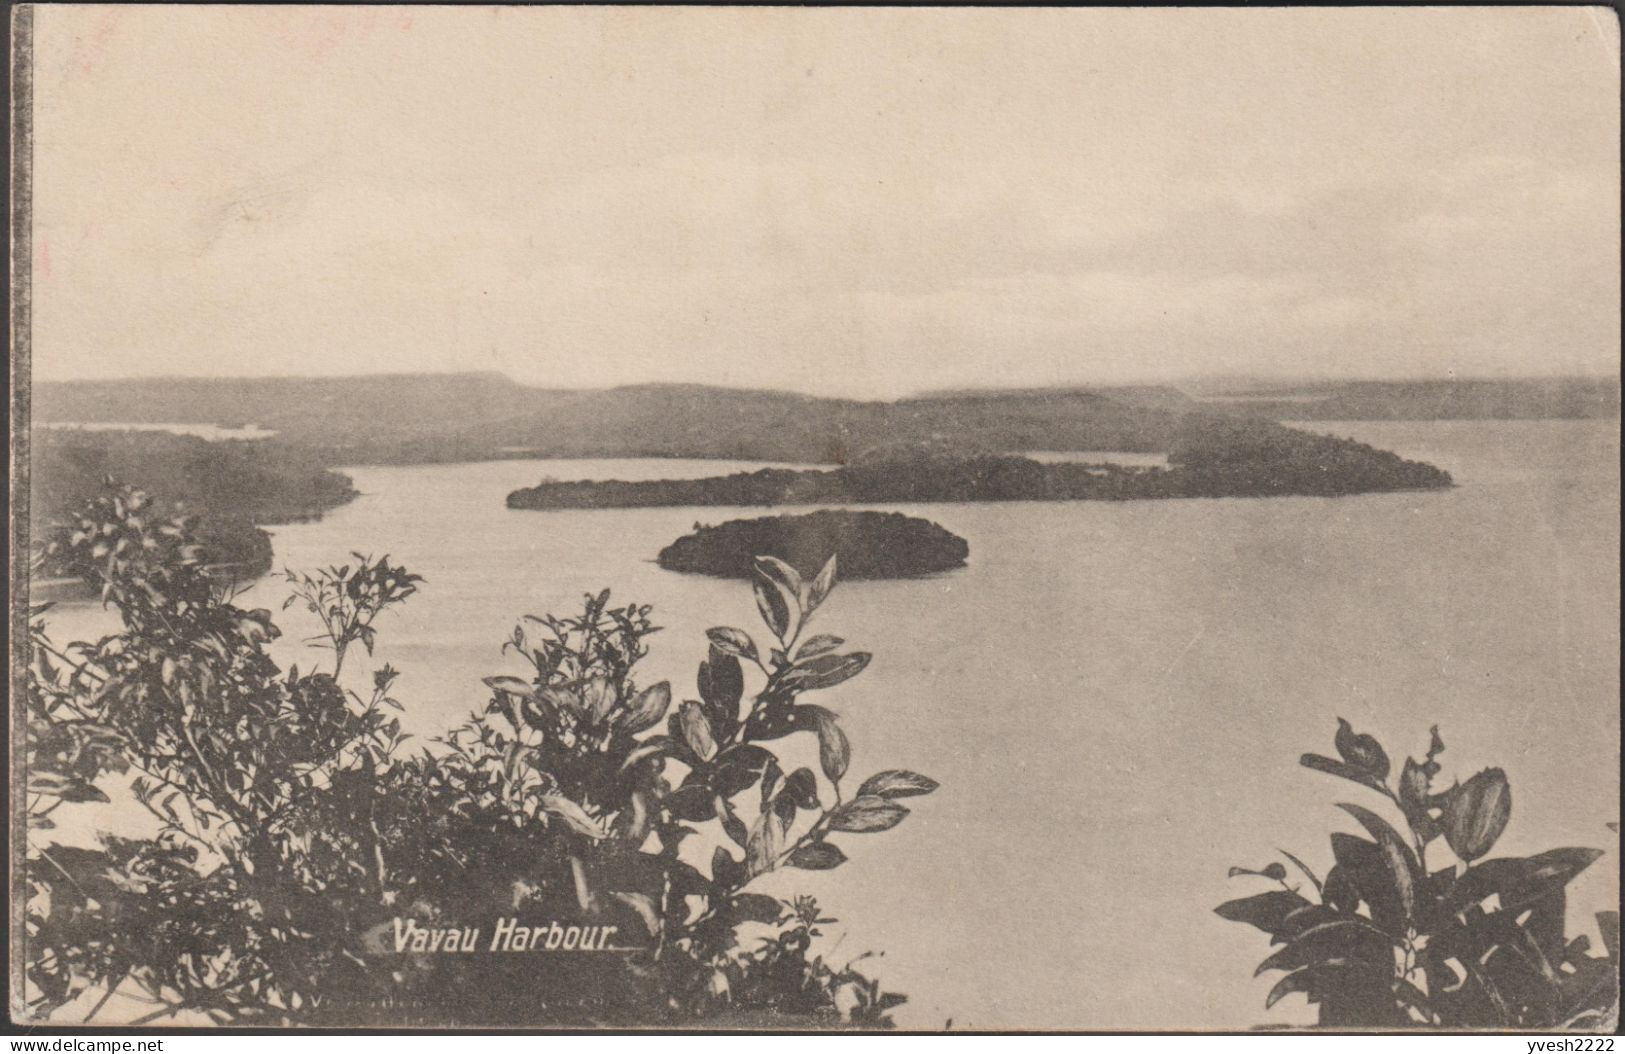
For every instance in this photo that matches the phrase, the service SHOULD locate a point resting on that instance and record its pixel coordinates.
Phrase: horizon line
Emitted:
(1239, 378)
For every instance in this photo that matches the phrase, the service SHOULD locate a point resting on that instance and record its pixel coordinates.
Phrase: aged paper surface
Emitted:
(763, 518)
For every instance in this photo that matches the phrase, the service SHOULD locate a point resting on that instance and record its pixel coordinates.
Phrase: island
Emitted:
(1216, 457)
(867, 544)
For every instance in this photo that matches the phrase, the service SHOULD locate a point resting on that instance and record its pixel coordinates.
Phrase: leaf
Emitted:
(834, 751)
(1347, 939)
(1302, 867)
(1518, 882)
(865, 814)
(1402, 863)
(1361, 751)
(732, 641)
(801, 787)
(762, 848)
(784, 811)
(1266, 911)
(825, 671)
(511, 685)
(644, 905)
(82, 791)
(1365, 870)
(722, 684)
(818, 644)
(1608, 927)
(1413, 996)
(1413, 785)
(778, 591)
(647, 708)
(779, 573)
(573, 815)
(649, 748)
(725, 870)
(775, 610)
(1321, 763)
(1413, 799)
(817, 856)
(1476, 813)
(897, 783)
(731, 824)
(771, 774)
(696, 730)
(559, 699)
(821, 585)
(598, 696)
(739, 766)
(754, 907)
(1312, 981)
(695, 803)
(40, 782)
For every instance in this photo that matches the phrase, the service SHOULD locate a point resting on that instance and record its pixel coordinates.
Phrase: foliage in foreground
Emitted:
(1477, 943)
(301, 846)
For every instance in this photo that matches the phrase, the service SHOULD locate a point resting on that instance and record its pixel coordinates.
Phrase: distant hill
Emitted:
(1520, 399)
(480, 416)
(422, 418)
(705, 422)
(341, 413)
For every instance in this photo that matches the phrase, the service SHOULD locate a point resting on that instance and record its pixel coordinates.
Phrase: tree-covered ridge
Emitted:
(1213, 456)
(866, 545)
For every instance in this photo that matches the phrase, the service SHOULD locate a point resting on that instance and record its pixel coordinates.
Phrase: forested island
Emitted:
(867, 545)
(1216, 457)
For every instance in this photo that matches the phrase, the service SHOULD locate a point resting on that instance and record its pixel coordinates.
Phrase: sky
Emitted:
(859, 201)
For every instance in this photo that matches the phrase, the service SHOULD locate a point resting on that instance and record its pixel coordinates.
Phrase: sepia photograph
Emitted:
(775, 519)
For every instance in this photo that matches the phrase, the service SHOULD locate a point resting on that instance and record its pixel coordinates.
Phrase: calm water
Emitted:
(1113, 695)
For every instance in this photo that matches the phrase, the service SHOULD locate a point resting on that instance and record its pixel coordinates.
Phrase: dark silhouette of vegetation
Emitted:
(309, 869)
(233, 486)
(1217, 457)
(868, 544)
(1389, 941)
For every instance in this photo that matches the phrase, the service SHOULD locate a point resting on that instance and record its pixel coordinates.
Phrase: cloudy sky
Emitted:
(846, 201)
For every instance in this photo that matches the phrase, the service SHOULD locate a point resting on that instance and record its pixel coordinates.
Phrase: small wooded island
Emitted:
(1216, 458)
(868, 544)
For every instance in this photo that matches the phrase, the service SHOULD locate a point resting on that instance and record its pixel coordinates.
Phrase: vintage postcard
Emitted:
(763, 518)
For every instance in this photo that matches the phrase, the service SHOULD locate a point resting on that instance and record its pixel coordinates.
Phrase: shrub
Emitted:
(299, 839)
(1388, 943)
